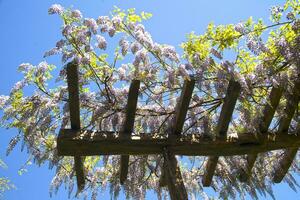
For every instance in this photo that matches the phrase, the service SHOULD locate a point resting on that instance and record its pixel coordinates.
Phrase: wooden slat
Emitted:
(129, 124)
(244, 174)
(284, 123)
(180, 115)
(270, 108)
(284, 164)
(291, 106)
(174, 179)
(90, 143)
(73, 88)
(182, 106)
(163, 177)
(172, 175)
(266, 119)
(231, 97)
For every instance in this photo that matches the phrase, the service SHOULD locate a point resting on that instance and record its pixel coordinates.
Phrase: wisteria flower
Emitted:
(101, 42)
(56, 9)
(91, 23)
(76, 14)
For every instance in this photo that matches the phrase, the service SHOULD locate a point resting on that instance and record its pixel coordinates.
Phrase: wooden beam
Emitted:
(270, 108)
(244, 174)
(284, 123)
(263, 127)
(230, 100)
(173, 175)
(284, 164)
(90, 143)
(129, 124)
(210, 167)
(182, 106)
(290, 108)
(180, 115)
(73, 88)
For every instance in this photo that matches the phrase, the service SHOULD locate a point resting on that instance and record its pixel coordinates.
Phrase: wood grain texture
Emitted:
(182, 106)
(173, 176)
(263, 127)
(73, 89)
(129, 124)
(232, 94)
(89, 143)
(284, 123)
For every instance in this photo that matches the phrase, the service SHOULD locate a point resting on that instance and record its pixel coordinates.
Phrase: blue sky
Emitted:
(27, 31)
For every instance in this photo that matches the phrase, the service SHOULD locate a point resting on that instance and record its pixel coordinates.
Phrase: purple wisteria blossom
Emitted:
(76, 14)
(101, 42)
(91, 23)
(56, 9)
(124, 46)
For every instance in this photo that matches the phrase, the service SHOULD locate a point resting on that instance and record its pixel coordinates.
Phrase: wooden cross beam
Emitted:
(171, 175)
(284, 123)
(129, 124)
(231, 97)
(72, 81)
(263, 127)
(90, 143)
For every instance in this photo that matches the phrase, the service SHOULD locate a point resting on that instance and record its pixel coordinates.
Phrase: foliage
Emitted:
(264, 56)
(5, 183)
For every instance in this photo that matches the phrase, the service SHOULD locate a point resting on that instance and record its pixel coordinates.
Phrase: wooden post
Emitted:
(284, 123)
(129, 125)
(171, 175)
(231, 97)
(263, 127)
(73, 88)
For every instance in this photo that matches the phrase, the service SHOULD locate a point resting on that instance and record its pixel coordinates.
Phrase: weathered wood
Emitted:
(270, 108)
(265, 121)
(129, 124)
(210, 167)
(182, 106)
(180, 115)
(89, 143)
(163, 177)
(290, 108)
(244, 174)
(230, 100)
(284, 123)
(73, 88)
(284, 164)
(173, 175)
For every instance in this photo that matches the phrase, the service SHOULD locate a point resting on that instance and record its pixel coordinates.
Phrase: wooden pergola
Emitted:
(79, 143)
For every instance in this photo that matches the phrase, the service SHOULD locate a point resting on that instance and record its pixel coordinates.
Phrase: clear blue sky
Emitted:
(27, 31)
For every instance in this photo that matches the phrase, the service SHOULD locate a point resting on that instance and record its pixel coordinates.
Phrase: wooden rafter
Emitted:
(263, 127)
(284, 123)
(182, 106)
(73, 88)
(129, 124)
(231, 97)
(172, 175)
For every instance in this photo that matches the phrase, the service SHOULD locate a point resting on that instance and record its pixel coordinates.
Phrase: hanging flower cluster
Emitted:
(237, 52)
